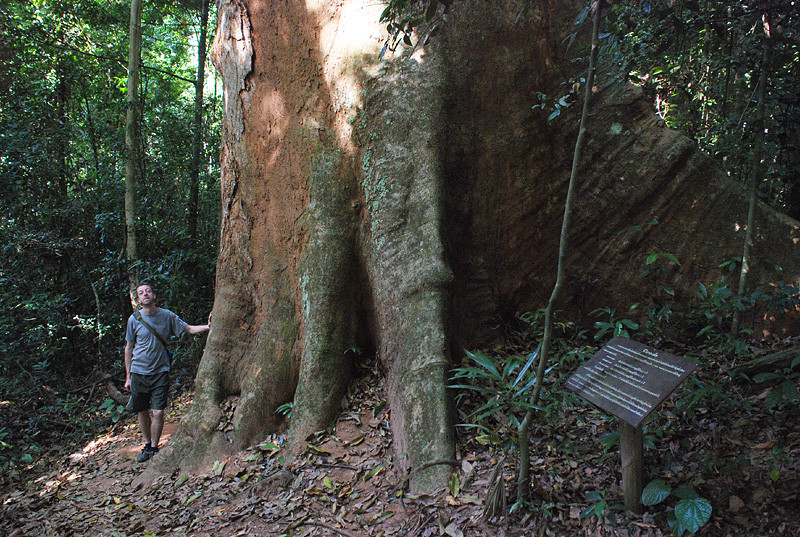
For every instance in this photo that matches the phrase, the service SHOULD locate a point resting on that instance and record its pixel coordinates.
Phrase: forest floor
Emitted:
(744, 458)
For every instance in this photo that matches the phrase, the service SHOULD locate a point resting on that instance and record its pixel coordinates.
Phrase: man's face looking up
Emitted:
(145, 295)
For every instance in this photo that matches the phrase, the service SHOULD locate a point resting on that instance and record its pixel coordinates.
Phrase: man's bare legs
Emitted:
(144, 425)
(156, 427)
(151, 427)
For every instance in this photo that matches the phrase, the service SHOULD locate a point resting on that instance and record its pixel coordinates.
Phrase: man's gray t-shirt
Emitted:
(149, 355)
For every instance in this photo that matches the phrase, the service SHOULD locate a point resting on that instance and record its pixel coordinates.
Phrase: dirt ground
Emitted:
(347, 485)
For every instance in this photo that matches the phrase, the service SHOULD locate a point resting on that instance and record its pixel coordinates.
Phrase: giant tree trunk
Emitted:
(404, 206)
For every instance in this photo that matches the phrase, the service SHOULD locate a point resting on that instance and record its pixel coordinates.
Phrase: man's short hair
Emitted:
(148, 282)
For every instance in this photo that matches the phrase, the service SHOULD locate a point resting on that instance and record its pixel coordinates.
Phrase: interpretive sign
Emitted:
(629, 379)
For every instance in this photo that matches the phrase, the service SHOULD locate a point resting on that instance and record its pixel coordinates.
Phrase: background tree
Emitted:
(131, 145)
(758, 167)
(197, 141)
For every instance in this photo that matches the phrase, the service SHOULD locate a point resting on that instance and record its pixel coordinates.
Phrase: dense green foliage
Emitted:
(700, 62)
(63, 289)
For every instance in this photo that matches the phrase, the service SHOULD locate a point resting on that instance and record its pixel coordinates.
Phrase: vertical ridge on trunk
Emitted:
(403, 246)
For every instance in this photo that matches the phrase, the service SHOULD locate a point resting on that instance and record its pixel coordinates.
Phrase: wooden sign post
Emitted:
(629, 380)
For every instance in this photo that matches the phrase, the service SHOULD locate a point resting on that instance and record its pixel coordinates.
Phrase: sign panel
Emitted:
(629, 379)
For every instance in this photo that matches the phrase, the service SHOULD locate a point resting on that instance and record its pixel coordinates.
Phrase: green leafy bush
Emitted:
(614, 326)
(504, 386)
(691, 511)
(784, 390)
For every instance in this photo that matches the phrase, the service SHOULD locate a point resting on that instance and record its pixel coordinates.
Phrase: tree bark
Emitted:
(404, 207)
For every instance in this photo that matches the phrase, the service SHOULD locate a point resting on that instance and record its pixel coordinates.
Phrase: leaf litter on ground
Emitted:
(745, 462)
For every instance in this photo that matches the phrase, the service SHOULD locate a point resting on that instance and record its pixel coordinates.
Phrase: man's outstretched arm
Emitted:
(198, 328)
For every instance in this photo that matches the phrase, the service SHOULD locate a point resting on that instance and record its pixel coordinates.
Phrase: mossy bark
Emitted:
(402, 243)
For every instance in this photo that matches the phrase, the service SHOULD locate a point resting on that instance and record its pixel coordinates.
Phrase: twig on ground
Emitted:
(329, 527)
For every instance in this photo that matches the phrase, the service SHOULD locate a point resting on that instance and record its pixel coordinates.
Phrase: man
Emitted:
(147, 363)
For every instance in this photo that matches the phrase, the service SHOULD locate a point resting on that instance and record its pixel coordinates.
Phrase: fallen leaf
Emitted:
(735, 503)
(765, 445)
(192, 498)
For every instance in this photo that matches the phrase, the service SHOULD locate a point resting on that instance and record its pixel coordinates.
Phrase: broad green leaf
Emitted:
(789, 390)
(773, 398)
(589, 511)
(655, 492)
(327, 482)
(686, 493)
(693, 513)
(675, 525)
(487, 364)
(672, 258)
(599, 507)
(482, 389)
(593, 496)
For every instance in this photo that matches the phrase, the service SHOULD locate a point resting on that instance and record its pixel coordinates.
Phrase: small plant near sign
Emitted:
(505, 386)
(598, 505)
(784, 390)
(691, 511)
(614, 326)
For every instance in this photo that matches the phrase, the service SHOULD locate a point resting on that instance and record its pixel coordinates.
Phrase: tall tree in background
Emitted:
(62, 231)
(757, 174)
(131, 142)
(698, 61)
(197, 143)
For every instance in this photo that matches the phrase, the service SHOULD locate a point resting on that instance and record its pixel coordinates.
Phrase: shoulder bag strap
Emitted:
(138, 316)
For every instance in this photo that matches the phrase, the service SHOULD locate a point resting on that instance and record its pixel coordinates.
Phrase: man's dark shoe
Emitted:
(146, 454)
